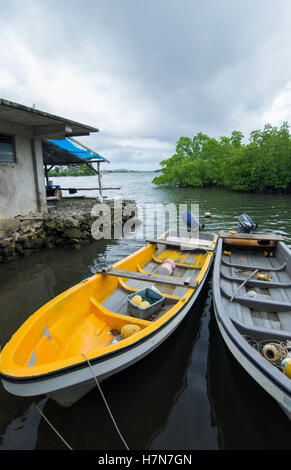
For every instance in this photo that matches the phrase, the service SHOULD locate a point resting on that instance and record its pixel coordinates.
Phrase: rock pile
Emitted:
(70, 225)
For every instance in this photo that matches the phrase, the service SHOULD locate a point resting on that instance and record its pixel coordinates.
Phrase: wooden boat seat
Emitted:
(174, 281)
(190, 241)
(256, 282)
(183, 264)
(131, 289)
(116, 320)
(252, 268)
(185, 244)
(259, 303)
(252, 236)
(260, 333)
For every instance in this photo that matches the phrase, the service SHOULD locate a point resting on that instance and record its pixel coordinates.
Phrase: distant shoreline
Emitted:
(76, 173)
(131, 171)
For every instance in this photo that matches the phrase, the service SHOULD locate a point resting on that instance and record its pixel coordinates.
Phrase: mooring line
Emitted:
(37, 407)
(107, 406)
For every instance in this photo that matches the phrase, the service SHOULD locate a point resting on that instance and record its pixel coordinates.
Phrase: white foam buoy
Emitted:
(207, 214)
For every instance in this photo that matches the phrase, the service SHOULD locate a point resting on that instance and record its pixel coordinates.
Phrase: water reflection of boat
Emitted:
(245, 415)
(140, 397)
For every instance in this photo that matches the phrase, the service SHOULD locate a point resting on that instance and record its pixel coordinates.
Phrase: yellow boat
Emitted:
(78, 333)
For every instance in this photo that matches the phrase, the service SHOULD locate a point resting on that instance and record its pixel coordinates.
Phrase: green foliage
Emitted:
(72, 170)
(261, 165)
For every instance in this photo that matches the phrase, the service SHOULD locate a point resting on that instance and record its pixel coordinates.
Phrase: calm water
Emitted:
(188, 394)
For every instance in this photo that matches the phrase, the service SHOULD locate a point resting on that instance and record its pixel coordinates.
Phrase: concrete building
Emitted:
(22, 181)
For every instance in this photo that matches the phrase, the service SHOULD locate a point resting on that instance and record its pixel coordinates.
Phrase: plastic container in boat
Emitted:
(155, 299)
(166, 268)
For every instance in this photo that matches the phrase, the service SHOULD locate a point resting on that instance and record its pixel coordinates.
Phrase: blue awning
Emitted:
(74, 148)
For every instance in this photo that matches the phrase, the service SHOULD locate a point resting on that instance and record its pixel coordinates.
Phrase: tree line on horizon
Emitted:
(261, 165)
(72, 170)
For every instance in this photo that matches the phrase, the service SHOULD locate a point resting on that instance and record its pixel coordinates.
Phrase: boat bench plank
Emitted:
(97, 306)
(259, 333)
(180, 265)
(256, 282)
(252, 236)
(252, 268)
(174, 281)
(260, 304)
(188, 246)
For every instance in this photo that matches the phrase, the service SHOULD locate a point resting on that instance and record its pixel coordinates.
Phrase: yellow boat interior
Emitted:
(86, 318)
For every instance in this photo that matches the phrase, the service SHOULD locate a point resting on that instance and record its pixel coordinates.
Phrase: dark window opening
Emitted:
(7, 154)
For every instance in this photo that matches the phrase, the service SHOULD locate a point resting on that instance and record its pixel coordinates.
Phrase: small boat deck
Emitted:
(117, 301)
(268, 306)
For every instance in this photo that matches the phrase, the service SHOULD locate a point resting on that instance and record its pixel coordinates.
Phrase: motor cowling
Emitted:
(245, 224)
(191, 222)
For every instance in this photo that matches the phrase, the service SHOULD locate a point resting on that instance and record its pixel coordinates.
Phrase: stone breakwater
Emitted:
(69, 226)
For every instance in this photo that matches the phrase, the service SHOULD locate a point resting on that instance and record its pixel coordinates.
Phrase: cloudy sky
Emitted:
(145, 72)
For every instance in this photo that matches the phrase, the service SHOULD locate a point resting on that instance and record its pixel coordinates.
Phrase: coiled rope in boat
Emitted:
(283, 349)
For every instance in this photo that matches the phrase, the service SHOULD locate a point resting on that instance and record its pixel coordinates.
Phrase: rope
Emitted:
(258, 346)
(98, 385)
(36, 406)
(107, 406)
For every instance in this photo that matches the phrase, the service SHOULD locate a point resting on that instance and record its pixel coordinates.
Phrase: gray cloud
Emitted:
(146, 73)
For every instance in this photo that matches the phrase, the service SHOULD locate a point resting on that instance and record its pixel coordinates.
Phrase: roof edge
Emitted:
(27, 109)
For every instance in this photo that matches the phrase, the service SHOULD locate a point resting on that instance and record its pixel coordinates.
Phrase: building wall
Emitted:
(22, 183)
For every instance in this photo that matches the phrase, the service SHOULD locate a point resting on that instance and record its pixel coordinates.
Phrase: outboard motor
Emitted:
(191, 222)
(245, 224)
